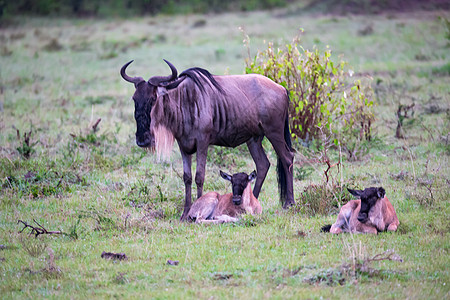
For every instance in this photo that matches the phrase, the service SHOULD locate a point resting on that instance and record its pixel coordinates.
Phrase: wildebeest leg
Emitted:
(342, 221)
(202, 152)
(262, 163)
(187, 178)
(286, 157)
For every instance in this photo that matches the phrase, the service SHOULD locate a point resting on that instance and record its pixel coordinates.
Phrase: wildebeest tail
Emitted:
(282, 179)
(325, 228)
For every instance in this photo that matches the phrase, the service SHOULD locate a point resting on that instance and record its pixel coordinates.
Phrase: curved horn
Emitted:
(174, 83)
(157, 80)
(124, 75)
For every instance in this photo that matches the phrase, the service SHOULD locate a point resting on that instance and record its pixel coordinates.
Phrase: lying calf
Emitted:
(371, 213)
(215, 208)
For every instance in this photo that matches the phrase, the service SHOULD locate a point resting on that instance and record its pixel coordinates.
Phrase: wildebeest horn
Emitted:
(157, 80)
(124, 75)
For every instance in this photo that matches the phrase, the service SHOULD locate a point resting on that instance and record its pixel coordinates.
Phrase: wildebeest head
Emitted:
(239, 183)
(144, 98)
(368, 197)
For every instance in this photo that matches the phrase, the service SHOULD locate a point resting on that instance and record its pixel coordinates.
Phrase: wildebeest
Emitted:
(215, 208)
(199, 109)
(372, 213)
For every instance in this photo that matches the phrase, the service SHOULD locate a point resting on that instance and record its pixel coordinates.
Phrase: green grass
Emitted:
(59, 76)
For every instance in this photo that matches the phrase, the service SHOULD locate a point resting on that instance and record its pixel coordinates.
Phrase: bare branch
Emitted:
(37, 230)
(94, 127)
(387, 255)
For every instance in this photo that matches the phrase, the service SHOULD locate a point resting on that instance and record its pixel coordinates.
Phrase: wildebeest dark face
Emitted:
(144, 98)
(369, 198)
(239, 182)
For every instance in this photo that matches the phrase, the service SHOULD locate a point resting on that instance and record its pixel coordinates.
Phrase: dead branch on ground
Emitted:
(387, 255)
(37, 230)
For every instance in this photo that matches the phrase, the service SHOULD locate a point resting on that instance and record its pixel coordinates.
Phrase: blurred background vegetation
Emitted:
(128, 7)
(123, 8)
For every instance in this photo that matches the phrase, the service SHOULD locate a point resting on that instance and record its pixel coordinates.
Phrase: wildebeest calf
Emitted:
(372, 213)
(215, 208)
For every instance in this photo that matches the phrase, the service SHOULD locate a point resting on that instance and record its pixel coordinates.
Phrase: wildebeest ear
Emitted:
(252, 176)
(356, 193)
(225, 176)
(380, 193)
(161, 91)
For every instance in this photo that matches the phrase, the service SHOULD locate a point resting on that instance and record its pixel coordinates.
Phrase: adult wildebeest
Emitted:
(372, 213)
(215, 208)
(199, 109)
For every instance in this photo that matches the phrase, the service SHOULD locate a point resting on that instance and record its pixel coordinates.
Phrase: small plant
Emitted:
(139, 194)
(41, 181)
(73, 230)
(324, 199)
(27, 147)
(103, 221)
(51, 270)
(330, 277)
(33, 247)
(248, 220)
(360, 262)
(121, 278)
(360, 265)
(302, 173)
(402, 114)
(90, 137)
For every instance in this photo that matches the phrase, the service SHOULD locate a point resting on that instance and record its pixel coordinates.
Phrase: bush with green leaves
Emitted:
(325, 97)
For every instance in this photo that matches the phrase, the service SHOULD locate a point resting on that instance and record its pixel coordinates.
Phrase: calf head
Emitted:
(239, 183)
(144, 98)
(369, 198)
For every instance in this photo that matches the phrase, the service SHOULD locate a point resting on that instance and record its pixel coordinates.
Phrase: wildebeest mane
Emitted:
(199, 76)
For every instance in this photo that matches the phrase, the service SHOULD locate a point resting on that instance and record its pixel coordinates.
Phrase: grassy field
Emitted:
(103, 193)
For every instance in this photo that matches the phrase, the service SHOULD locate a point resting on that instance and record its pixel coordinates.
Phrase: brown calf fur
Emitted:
(372, 213)
(215, 208)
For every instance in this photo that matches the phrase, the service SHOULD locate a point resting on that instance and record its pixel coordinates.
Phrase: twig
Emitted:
(60, 180)
(94, 127)
(412, 161)
(387, 255)
(428, 130)
(126, 219)
(176, 172)
(327, 161)
(37, 230)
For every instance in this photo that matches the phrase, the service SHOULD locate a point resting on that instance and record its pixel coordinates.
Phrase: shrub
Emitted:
(322, 97)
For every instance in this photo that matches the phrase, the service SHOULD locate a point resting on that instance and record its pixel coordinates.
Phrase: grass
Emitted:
(59, 76)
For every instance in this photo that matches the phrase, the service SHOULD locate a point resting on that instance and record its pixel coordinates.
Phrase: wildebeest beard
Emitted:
(156, 138)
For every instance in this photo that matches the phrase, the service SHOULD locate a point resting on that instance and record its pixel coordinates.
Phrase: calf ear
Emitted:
(356, 193)
(252, 176)
(225, 176)
(380, 193)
